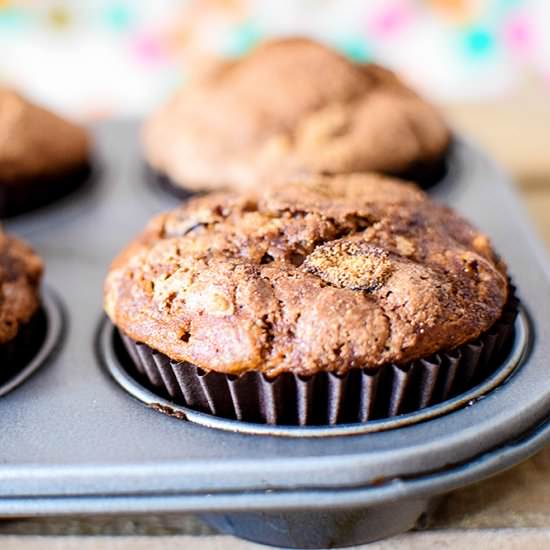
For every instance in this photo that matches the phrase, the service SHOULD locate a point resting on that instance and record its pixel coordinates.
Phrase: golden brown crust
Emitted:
(20, 273)
(326, 274)
(292, 108)
(36, 143)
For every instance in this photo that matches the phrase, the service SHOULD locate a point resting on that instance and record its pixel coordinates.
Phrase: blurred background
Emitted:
(96, 58)
(487, 62)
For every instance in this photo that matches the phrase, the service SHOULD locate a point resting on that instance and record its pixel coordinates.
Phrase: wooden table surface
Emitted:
(509, 511)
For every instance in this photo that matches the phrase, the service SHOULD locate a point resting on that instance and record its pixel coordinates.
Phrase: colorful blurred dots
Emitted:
(355, 48)
(150, 49)
(391, 20)
(478, 42)
(510, 3)
(178, 38)
(118, 16)
(12, 17)
(519, 34)
(230, 5)
(451, 6)
(458, 11)
(242, 39)
(59, 17)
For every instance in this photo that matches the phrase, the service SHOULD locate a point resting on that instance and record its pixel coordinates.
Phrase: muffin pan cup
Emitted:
(118, 362)
(17, 352)
(360, 395)
(72, 441)
(35, 342)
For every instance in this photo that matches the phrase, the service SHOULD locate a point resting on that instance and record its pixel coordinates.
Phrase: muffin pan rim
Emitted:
(514, 360)
(422, 485)
(55, 325)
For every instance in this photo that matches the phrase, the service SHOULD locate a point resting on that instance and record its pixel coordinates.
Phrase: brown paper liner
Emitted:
(18, 197)
(16, 354)
(326, 398)
(166, 184)
(425, 175)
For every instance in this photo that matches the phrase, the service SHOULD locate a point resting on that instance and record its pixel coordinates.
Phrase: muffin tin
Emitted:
(41, 343)
(74, 442)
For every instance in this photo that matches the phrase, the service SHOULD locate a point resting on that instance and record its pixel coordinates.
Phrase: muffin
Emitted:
(20, 274)
(293, 108)
(328, 299)
(42, 156)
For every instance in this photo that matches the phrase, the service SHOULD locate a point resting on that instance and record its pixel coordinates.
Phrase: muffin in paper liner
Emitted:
(222, 128)
(325, 398)
(43, 156)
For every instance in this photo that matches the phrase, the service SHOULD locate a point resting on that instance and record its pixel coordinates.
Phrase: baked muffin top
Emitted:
(35, 142)
(326, 274)
(20, 273)
(293, 107)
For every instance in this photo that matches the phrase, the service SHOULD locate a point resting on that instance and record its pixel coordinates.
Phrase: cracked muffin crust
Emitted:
(293, 107)
(20, 273)
(35, 143)
(326, 274)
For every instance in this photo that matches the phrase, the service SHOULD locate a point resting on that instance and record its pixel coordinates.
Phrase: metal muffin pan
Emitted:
(53, 320)
(72, 441)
